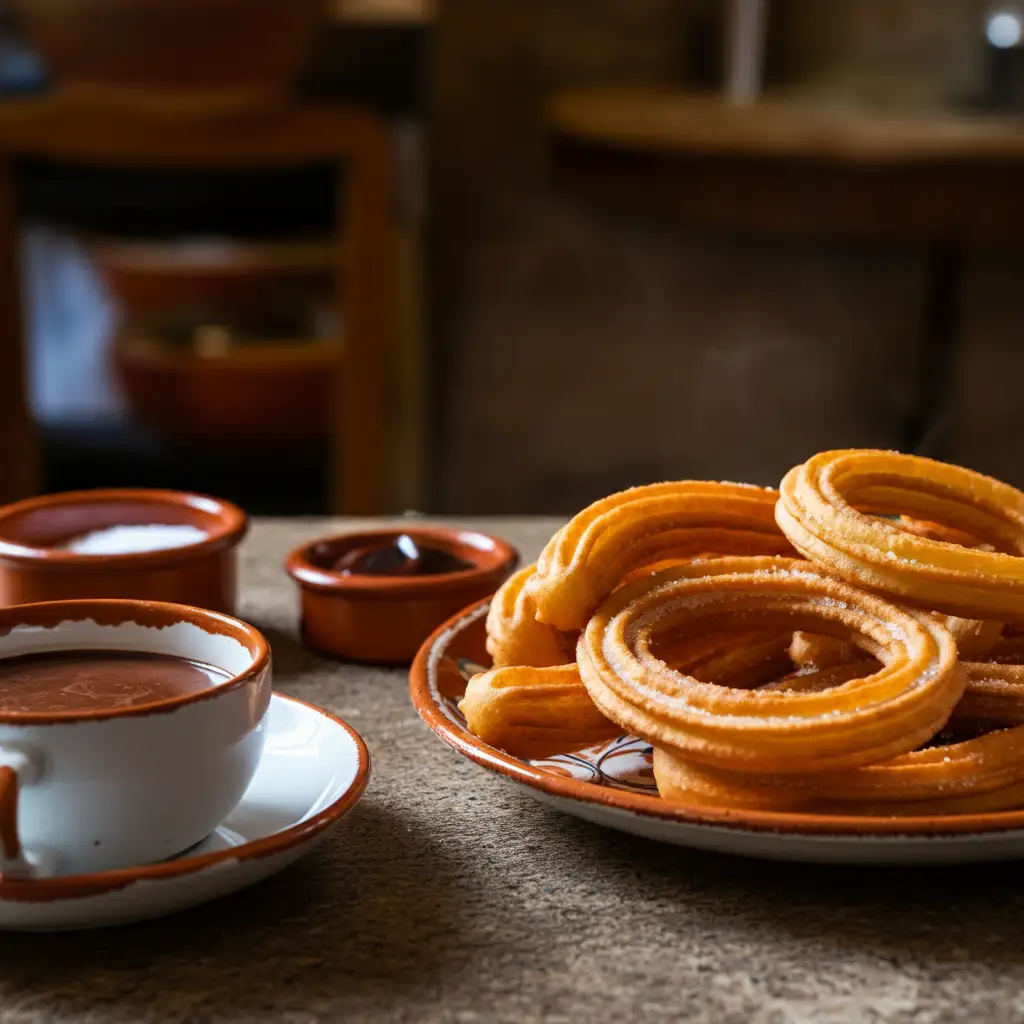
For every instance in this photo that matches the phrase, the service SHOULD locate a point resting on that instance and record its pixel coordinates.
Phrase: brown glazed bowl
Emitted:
(385, 619)
(150, 279)
(201, 574)
(270, 394)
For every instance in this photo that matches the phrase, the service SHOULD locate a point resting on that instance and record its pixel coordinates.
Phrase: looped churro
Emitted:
(531, 709)
(515, 637)
(525, 708)
(676, 612)
(935, 531)
(979, 773)
(995, 693)
(889, 712)
(595, 551)
(975, 640)
(818, 512)
(535, 712)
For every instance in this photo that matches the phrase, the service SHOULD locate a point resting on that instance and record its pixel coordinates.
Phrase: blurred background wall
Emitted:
(585, 349)
(552, 347)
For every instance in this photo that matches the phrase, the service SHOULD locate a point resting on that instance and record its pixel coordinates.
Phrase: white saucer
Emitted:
(313, 771)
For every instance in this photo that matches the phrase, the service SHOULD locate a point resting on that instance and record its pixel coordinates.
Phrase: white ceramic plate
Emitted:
(612, 785)
(313, 770)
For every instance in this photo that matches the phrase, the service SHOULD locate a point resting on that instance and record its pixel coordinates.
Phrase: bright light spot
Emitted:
(1004, 30)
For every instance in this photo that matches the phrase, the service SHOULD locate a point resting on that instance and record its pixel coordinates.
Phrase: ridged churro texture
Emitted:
(974, 774)
(889, 712)
(850, 644)
(534, 712)
(829, 507)
(598, 548)
(975, 640)
(515, 637)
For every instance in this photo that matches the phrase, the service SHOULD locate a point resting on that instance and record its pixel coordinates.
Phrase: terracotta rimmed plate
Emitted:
(313, 771)
(612, 785)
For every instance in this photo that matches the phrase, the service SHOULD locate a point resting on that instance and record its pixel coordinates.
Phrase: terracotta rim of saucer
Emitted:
(70, 887)
(497, 558)
(230, 526)
(427, 701)
(155, 614)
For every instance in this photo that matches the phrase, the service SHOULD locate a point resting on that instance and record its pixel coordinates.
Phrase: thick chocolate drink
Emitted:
(55, 681)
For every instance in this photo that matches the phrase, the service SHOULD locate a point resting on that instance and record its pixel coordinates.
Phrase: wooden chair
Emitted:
(194, 136)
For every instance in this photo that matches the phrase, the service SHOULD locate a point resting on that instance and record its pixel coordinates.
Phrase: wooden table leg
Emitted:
(19, 467)
(929, 425)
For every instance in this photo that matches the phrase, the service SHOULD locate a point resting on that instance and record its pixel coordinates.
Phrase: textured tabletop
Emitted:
(448, 895)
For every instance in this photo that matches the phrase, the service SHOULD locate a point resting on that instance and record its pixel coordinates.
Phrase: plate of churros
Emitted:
(832, 671)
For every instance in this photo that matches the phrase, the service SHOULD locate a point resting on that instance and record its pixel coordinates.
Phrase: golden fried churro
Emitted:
(515, 637)
(982, 774)
(818, 511)
(978, 766)
(891, 711)
(534, 712)
(596, 550)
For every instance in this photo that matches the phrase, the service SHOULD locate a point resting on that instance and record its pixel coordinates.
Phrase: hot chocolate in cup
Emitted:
(128, 731)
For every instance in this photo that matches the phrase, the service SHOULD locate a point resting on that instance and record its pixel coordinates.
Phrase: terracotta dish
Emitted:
(34, 566)
(276, 394)
(149, 278)
(383, 618)
(225, 342)
(612, 784)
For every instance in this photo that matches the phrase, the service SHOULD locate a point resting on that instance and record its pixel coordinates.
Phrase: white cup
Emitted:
(117, 787)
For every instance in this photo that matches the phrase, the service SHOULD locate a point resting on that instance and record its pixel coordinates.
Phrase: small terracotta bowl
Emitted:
(34, 568)
(384, 619)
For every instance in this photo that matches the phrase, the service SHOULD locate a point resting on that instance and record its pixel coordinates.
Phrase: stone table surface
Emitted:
(448, 895)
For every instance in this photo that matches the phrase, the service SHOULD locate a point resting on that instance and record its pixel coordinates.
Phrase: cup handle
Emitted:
(16, 768)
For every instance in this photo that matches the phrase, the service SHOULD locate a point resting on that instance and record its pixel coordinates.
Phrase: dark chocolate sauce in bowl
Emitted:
(401, 556)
